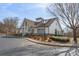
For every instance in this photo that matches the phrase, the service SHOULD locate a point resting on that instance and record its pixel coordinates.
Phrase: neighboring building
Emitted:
(26, 26)
(50, 26)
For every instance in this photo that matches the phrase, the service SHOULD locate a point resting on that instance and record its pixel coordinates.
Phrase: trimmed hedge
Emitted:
(62, 40)
(17, 34)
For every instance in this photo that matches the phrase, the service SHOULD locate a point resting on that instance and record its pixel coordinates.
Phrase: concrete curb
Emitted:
(51, 44)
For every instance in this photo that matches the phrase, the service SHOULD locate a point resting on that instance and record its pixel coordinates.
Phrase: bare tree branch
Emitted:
(68, 13)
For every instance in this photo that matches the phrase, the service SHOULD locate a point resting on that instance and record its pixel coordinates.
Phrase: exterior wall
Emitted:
(26, 28)
(59, 29)
(54, 26)
(48, 30)
(41, 28)
(51, 29)
(35, 30)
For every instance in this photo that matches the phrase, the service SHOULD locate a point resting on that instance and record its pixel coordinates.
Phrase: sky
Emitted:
(24, 10)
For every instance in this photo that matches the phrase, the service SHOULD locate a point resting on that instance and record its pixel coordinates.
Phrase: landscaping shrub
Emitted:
(21, 35)
(17, 35)
(26, 35)
(62, 40)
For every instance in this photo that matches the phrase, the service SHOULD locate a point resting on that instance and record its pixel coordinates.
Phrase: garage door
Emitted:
(40, 31)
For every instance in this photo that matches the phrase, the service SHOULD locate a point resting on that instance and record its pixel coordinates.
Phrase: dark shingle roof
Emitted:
(46, 24)
(40, 24)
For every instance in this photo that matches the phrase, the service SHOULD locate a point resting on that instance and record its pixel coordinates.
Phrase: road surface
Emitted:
(23, 47)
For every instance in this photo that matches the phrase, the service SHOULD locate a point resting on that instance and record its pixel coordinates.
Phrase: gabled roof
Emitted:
(27, 21)
(46, 24)
(36, 24)
(39, 24)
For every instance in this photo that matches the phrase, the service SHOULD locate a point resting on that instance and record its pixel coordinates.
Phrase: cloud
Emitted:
(42, 5)
(5, 5)
(4, 12)
(21, 10)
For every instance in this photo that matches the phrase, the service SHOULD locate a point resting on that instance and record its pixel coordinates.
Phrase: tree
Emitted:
(1, 27)
(10, 25)
(68, 13)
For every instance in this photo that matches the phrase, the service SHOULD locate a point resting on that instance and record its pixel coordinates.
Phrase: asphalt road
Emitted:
(23, 47)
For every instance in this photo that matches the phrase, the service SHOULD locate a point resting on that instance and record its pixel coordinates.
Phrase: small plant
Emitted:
(58, 39)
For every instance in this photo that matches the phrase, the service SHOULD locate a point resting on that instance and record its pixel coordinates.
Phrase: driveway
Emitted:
(22, 47)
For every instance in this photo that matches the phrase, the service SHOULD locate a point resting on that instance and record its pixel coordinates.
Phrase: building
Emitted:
(43, 26)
